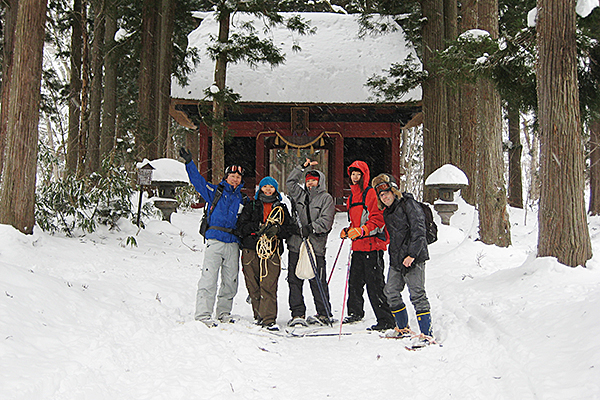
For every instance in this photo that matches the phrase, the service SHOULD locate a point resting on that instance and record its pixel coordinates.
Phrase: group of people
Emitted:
(379, 216)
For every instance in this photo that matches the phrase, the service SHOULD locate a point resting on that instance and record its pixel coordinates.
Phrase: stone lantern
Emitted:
(168, 174)
(446, 180)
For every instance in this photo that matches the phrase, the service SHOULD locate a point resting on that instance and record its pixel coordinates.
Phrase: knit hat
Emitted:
(385, 182)
(267, 180)
(312, 175)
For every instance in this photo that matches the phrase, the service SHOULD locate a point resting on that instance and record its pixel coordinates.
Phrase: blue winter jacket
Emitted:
(227, 209)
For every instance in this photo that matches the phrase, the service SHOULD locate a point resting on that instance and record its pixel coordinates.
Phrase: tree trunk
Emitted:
(17, 202)
(163, 78)
(533, 149)
(85, 88)
(594, 147)
(452, 94)
(109, 109)
(563, 231)
(10, 20)
(515, 180)
(435, 113)
(75, 88)
(494, 226)
(93, 147)
(145, 140)
(218, 129)
(468, 113)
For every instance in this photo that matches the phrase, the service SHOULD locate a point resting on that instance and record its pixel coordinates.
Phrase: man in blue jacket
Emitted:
(222, 246)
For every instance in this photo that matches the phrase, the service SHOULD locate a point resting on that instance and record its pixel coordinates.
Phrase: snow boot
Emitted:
(227, 319)
(381, 326)
(271, 326)
(424, 320)
(401, 317)
(352, 318)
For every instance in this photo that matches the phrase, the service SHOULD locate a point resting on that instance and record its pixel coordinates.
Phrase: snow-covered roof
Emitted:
(166, 170)
(332, 67)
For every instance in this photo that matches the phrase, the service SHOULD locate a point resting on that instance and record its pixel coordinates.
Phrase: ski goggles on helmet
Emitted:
(234, 168)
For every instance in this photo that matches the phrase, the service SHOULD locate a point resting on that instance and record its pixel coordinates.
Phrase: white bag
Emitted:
(304, 268)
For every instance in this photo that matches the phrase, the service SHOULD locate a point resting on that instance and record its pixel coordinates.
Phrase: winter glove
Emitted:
(344, 233)
(185, 154)
(355, 233)
(307, 230)
(271, 230)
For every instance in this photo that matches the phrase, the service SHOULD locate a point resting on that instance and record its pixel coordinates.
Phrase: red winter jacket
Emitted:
(374, 221)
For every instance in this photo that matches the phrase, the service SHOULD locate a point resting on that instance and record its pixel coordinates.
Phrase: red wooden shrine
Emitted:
(339, 133)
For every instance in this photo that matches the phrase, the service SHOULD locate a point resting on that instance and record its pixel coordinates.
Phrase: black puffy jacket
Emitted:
(251, 218)
(406, 230)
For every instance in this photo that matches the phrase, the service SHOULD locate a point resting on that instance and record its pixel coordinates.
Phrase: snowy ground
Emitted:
(93, 318)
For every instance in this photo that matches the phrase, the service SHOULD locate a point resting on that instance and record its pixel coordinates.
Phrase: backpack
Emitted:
(208, 212)
(431, 228)
(380, 235)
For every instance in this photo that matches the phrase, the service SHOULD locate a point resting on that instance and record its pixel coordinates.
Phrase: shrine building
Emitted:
(315, 105)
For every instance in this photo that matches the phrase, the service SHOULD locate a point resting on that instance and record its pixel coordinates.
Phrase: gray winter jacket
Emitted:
(320, 205)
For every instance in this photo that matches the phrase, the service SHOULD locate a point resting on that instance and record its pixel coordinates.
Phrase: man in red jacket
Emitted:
(369, 241)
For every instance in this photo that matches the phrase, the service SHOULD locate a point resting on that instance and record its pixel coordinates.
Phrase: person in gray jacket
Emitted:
(315, 209)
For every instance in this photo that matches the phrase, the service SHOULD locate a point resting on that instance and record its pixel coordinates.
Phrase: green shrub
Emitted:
(71, 204)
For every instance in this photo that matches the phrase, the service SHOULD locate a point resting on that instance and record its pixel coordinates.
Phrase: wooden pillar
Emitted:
(396, 132)
(338, 170)
(260, 157)
(203, 144)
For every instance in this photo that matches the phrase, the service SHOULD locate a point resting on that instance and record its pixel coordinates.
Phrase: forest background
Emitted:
(70, 133)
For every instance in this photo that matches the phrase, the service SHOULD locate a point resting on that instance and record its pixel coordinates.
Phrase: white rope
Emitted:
(266, 247)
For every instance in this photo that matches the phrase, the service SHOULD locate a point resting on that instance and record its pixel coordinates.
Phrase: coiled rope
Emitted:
(265, 247)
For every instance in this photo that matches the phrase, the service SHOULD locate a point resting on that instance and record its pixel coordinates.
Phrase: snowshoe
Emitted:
(321, 320)
(297, 321)
(209, 322)
(398, 333)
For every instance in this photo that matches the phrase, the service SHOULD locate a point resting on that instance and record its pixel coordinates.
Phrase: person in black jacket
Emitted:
(264, 222)
(405, 224)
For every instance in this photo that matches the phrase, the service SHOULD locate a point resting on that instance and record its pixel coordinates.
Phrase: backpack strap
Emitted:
(362, 203)
(218, 194)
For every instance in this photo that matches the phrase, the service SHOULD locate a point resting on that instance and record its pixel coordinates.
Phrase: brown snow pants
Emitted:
(261, 278)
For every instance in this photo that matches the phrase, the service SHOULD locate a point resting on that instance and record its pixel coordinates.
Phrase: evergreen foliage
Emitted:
(589, 66)
(70, 204)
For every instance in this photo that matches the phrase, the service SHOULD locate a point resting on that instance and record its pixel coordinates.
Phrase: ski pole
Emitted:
(335, 262)
(345, 292)
(317, 277)
(313, 264)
